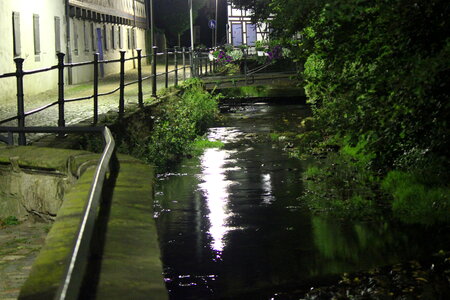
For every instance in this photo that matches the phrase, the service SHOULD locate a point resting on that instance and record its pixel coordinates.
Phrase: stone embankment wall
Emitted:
(33, 180)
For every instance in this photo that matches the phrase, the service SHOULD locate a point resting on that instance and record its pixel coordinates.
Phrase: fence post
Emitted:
(206, 66)
(20, 99)
(122, 83)
(61, 120)
(175, 61)
(154, 54)
(245, 65)
(96, 56)
(191, 62)
(184, 63)
(200, 64)
(140, 95)
(166, 55)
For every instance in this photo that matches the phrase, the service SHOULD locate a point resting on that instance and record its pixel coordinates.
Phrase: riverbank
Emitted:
(427, 278)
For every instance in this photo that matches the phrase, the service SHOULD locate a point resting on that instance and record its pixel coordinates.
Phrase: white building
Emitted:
(241, 30)
(36, 30)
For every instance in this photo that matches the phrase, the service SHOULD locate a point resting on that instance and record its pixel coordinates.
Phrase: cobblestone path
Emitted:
(19, 246)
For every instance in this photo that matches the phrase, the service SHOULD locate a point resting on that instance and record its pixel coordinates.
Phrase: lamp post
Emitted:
(191, 18)
(215, 28)
(152, 25)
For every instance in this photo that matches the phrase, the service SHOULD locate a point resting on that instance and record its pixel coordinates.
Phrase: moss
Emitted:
(39, 157)
(48, 267)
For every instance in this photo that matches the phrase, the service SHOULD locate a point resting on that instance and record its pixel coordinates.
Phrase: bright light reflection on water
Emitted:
(215, 188)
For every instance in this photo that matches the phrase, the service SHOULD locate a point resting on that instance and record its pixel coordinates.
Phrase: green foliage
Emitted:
(172, 16)
(8, 221)
(342, 186)
(416, 202)
(200, 144)
(180, 121)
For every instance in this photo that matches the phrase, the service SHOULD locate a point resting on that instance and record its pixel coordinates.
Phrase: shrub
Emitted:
(414, 202)
(180, 121)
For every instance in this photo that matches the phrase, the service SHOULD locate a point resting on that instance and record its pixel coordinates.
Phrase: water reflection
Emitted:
(229, 221)
(215, 190)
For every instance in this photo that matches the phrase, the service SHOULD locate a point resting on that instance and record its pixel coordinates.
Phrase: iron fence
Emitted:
(20, 73)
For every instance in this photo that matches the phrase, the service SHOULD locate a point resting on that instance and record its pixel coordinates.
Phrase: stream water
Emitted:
(230, 224)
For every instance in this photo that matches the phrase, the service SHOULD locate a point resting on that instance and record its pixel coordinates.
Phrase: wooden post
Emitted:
(191, 62)
(200, 64)
(175, 61)
(61, 120)
(154, 54)
(167, 68)
(184, 63)
(140, 94)
(20, 99)
(122, 84)
(96, 57)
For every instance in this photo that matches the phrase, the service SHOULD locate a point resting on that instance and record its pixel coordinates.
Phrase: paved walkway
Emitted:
(19, 247)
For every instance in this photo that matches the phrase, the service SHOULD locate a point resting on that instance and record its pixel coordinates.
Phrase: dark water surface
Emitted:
(230, 224)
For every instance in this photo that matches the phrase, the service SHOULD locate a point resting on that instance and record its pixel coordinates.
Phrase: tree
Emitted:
(172, 16)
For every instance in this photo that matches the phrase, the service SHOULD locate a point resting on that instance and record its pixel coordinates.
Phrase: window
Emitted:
(129, 38)
(86, 37)
(75, 37)
(113, 37)
(120, 38)
(105, 38)
(251, 34)
(57, 34)
(93, 40)
(133, 38)
(36, 35)
(236, 34)
(16, 34)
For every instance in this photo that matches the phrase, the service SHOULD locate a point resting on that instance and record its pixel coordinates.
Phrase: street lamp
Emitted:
(215, 28)
(191, 18)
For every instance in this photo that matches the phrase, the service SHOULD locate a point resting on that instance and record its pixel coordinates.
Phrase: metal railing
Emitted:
(75, 268)
(61, 66)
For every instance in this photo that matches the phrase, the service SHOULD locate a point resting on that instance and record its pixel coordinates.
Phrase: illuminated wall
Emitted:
(104, 26)
(240, 29)
(32, 17)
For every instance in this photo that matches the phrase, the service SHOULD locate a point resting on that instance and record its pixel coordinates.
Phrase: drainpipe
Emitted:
(68, 47)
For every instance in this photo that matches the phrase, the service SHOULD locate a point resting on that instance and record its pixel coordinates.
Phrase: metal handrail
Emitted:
(76, 264)
(20, 74)
(74, 273)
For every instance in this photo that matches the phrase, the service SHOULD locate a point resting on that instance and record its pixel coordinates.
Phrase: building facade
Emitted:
(37, 30)
(241, 30)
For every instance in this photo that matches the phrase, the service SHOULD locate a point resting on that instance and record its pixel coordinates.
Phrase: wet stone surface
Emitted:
(19, 246)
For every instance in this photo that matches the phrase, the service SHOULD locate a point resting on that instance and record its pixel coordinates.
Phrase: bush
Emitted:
(180, 121)
(414, 202)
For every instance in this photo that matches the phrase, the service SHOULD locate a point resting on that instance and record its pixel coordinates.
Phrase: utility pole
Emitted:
(215, 28)
(152, 25)
(192, 24)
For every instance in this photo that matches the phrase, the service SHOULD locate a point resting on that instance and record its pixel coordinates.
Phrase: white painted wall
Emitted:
(86, 52)
(47, 10)
(243, 17)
